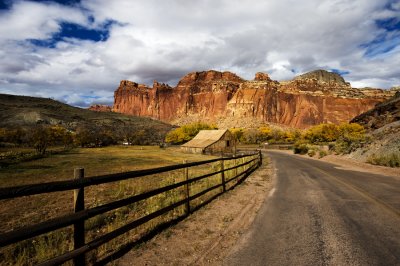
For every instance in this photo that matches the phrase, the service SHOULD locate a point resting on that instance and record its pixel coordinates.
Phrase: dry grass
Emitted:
(388, 159)
(96, 161)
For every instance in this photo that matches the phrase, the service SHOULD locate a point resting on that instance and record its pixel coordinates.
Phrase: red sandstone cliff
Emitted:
(100, 108)
(310, 99)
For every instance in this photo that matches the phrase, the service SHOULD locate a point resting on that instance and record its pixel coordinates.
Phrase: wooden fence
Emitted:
(242, 166)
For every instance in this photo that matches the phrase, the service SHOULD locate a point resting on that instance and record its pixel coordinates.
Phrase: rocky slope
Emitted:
(225, 98)
(383, 113)
(383, 123)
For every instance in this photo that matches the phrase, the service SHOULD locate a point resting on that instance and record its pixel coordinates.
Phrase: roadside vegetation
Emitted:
(330, 138)
(390, 159)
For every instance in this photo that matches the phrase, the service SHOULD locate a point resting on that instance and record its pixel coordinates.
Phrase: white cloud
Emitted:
(31, 20)
(164, 40)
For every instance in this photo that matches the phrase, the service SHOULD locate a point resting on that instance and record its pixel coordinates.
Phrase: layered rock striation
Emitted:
(310, 99)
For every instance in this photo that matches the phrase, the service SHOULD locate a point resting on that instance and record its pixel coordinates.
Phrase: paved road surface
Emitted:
(321, 215)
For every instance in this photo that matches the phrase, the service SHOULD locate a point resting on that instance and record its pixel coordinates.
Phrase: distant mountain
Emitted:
(230, 101)
(324, 76)
(27, 111)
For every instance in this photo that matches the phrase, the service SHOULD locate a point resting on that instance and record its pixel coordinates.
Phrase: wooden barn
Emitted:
(211, 142)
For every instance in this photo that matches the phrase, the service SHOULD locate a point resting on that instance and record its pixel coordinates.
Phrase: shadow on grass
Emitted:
(135, 244)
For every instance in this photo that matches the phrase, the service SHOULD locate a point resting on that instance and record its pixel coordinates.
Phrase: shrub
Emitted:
(300, 148)
(322, 153)
(311, 153)
(391, 159)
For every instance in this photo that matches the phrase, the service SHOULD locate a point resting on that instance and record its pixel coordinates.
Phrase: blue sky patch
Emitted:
(385, 42)
(340, 72)
(62, 2)
(90, 97)
(71, 30)
(391, 24)
(381, 45)
(5, 4)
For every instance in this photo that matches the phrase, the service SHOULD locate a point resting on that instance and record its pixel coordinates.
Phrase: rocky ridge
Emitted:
(225, 98)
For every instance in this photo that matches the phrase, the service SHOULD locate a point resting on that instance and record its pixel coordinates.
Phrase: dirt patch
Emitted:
(207, 235)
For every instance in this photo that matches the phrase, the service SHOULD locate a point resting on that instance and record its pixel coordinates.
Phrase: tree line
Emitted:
(41, 137)
(343, 138)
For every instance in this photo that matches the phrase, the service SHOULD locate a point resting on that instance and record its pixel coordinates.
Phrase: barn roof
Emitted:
(205, 138)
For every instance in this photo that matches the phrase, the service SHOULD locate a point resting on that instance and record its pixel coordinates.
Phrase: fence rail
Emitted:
(80, 215)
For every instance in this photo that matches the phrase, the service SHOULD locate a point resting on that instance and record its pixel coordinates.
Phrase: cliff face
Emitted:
(215, 96)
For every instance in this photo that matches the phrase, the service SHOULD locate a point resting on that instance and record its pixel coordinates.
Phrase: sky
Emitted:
(78, 51)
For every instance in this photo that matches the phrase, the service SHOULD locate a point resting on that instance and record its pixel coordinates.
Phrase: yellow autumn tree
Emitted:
(186, 132)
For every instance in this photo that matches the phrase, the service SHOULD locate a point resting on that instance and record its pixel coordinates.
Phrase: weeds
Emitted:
(322, 153)
(46, 246)
(391, 159)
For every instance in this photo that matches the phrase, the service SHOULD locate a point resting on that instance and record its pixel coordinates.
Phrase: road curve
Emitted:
(322, 215)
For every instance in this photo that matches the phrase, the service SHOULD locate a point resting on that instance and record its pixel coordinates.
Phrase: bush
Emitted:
(311, 153)
(391, 159)
(300, 148)
(322, 153)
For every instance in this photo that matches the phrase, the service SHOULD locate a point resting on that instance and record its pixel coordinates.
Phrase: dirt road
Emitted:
(322, 215)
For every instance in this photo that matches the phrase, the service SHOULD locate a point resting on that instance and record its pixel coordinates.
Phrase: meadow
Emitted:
(16, 213)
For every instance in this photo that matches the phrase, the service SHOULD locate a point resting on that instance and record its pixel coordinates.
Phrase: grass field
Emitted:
(96, 161)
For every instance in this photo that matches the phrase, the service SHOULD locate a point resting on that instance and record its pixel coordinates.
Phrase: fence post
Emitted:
(243, 161)
(260, 158)
(187, 192)
(223, 176)
(79, 227)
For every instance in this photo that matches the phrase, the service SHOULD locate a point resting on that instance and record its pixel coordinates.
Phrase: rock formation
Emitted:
(382, 114)
(100, 108)
(383, 125)
(309, 99)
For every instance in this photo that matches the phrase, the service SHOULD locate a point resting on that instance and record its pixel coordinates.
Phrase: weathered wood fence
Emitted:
(243, 165)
